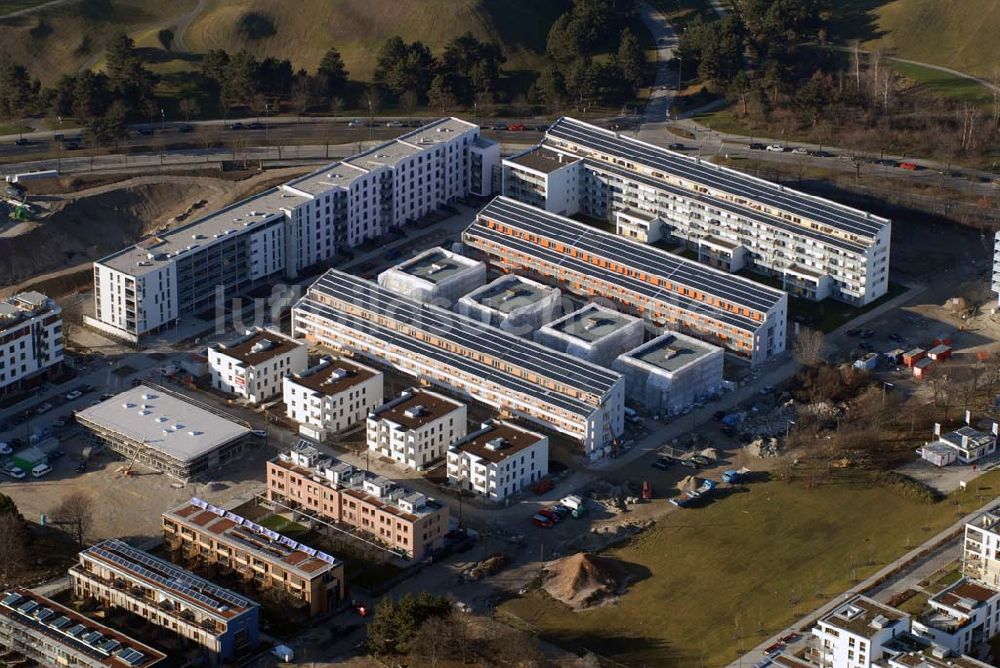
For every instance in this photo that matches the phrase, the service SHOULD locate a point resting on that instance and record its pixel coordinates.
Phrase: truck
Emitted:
(734, 477)
(689, 497)
(574, 503)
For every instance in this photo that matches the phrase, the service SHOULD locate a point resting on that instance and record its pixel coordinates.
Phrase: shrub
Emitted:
(254, 25)
(908, 487)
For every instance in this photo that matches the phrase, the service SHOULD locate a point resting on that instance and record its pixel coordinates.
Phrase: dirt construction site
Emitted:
(75, 220)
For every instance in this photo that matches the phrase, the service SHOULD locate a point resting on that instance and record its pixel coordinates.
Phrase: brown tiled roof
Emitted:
(242, 351)
(325, 381)
(434, 407)
(515, 439)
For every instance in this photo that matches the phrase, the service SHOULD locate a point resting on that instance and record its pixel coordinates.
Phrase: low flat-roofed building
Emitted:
(416, 428)
(593, 333)
(930, 657)
(332, 396)
(964, 445)
(254, 365)
(435, 275)
(31, 339)
(671, 372)
(200, 531)
(961, 617)
(50, 634)
(513, 303)
(114, 574)
(167, 432)
(855, 633)
(498, 460)
(406, 522)
(639, 225)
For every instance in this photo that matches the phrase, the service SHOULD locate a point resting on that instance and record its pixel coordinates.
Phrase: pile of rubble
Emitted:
(763, 448)
(615, 498)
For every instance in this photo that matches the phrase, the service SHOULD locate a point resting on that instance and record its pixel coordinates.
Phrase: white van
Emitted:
(40, 470)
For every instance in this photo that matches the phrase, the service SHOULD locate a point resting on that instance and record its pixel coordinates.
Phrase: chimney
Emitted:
(968, 417)
(937, 429)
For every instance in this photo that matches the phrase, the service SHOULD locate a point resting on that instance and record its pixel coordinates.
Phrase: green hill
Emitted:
(62, 39)
(960, 34)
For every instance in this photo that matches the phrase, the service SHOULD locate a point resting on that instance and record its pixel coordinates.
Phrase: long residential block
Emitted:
(406, 522)
(31, 339)
(41, 630)
(117, 575)
(468, 357)
(148, 286)
(199, 531)
(667, 290)
(818, 248)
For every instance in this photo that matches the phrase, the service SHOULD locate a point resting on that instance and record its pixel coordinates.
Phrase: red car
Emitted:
(551, 514)
(542, 521)
(515, 127)
(912, 166)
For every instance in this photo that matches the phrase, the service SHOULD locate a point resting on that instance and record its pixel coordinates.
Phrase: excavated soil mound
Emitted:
(583, 580)
(710, 453)
(688, 484)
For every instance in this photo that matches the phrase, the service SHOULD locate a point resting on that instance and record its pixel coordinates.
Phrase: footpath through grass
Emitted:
(729, 575)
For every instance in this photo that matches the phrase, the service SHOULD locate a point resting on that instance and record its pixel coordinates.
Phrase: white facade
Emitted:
(961, 617)
(332, 396)
(513, 303)
(981, 550)
(996, 265)
(817, 247)
(854, 634)
(498, 460)
(416, 428)
(296, 225)
(254, 365)
(639, 226)
(436, 275)
(545, 179)
(593, 333)
(31, 338)
(671, 372)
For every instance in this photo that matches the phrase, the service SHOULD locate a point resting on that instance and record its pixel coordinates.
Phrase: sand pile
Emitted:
(688, 484)
(710, 453)
(583, 580)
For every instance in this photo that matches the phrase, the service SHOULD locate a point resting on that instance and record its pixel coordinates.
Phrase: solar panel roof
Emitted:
(850, 221)
(733, 289)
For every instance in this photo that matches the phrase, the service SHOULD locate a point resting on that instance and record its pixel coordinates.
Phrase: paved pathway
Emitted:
(32, 10)
(665, 83)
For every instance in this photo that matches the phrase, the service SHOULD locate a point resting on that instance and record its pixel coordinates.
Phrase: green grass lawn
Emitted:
(946, 85)
(829, 314)
(283, 525)
(915, 604)
(755, 561)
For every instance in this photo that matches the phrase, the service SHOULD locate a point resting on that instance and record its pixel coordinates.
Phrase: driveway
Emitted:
(665, 84)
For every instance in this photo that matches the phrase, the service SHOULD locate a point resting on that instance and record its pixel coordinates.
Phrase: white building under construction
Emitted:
(435, 275)
(513, 303)
(671, 372)
(593, 333)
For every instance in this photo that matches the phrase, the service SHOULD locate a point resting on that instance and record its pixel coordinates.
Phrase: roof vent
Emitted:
(415, 411)
(670, 352)
(194, 433)
(262, 345)
(161, 419)
(496, 444)
(127, 405)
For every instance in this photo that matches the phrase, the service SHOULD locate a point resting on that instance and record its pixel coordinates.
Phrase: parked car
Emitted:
(910, 166)
(60, 422)
(552, 515)
(75, 394)
(676, 146)
(776, 148)
(21, 141)
(800, 150)
(393, 124)
(516, 127)
(767, 389)
(756, 146)
(14, 472)
(44, 408)
(105, 397)
(356, 123)
(185, 127)
(543, 521)
(561, 510)
(701, 461)
(41, 470)
(687, 463)
(86, 387)
(662, 463)
(235, 126)
(5, 449)
(256, 125)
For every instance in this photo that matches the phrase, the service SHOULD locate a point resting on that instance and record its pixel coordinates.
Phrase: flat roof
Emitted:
(965, 595)
(263, 543)
(468, 341)
(509, 292)
(844, 219)
(68, 628)
(159, 250)
(858, 614)
(435, 265)
(925, 658)
(591, 323)
(23, 306)
(169, 424)
(541, 159)
(496, 441)
(416, 407)
(333, 375)
(974, 435)
(578, 240)
(672, 351)
(168, 578)
(258, 346)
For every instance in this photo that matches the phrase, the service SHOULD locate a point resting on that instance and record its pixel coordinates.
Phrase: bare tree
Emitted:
(13, 544)
(189, 107)
(433, 640)
(76, 513)
(995, 80)
(408, 102)
(809, 346)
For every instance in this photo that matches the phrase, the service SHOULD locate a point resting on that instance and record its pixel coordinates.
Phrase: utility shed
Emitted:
(593, 333)
(512, 303)
(436, 275)
(671, 372)
(939, 352)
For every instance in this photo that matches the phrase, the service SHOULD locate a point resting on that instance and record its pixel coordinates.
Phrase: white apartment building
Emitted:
(468, 357)
(254, 365)
(332, 396)
(961, 617)
(981, 549)
(855, 634)
(31, 339)
(996, 265)
(309, 220)
(416, 428)
(818, 248)
(498, 460)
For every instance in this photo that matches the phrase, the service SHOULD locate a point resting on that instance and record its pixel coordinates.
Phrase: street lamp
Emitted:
(788, 427)
(885, 384)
